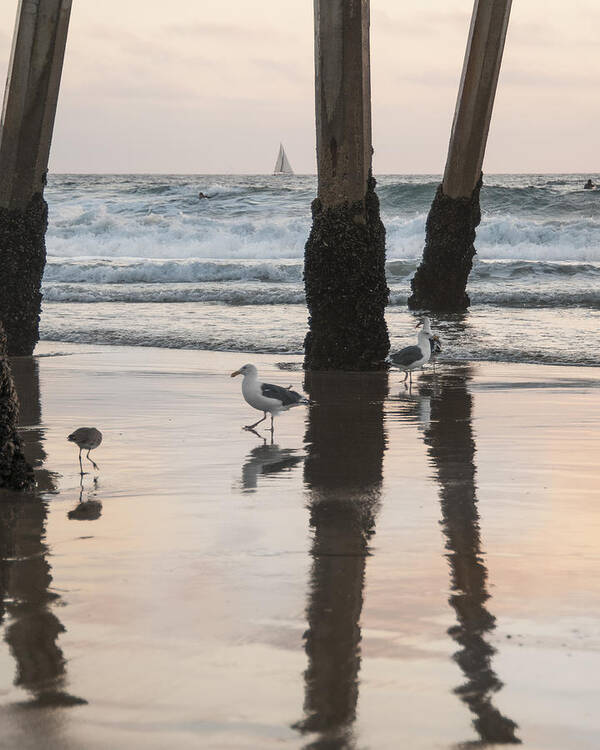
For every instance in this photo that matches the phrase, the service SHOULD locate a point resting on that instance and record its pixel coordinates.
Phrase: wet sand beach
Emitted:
(397, 570)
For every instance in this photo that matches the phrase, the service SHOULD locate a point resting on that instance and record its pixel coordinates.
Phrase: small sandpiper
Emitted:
(86, 438)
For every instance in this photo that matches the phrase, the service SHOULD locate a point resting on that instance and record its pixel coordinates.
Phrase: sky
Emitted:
(213, 87)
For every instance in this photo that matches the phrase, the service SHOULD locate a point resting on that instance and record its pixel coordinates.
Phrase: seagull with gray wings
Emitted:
(436, 348)
(266, 397)
(412, 357)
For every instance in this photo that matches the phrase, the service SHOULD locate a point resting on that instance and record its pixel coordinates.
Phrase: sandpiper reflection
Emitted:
(32, 628)
(267, 459)
(345, 442)
(451, 446)
(88, 507)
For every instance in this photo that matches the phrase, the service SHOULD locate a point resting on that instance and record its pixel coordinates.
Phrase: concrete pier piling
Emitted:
(15, 472)
(441, 279)
(25, 135)
(344, 270)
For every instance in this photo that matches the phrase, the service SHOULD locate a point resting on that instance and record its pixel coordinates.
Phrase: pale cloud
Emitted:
(287, 71)
(428, 23)
(4, 46)
(229, 32)
(429, 79)
(555, 79)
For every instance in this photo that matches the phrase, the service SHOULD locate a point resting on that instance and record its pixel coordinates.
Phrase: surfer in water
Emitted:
(201, 196)
(589, 185)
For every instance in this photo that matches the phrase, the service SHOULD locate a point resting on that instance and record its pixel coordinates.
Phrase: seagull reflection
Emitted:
(345, 443)
(32, 628)
(409, 406)
(266, 459)
(88, 509)
(451, 446)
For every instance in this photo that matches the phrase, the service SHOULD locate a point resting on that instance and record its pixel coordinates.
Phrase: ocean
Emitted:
(139, 260)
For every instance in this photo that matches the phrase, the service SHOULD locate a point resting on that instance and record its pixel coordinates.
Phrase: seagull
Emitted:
(86, 438)
(266, 397)
(412, 357)
(436, 348)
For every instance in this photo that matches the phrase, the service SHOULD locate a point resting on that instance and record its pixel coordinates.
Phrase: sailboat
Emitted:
(282, 165)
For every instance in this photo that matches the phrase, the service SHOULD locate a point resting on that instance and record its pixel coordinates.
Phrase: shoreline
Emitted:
(80, 347)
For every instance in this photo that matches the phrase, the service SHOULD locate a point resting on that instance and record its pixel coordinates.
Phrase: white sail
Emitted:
(282, 164)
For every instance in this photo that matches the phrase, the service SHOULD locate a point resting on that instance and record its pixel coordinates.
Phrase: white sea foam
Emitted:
(513, 294)
(103, 271)
(97, 233)
(177, 237)
(154, 271)
(507, 238)
(230, 294)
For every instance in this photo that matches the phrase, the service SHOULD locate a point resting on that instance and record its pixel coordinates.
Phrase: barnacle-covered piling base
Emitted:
(346, 288)
(22, 261)
(440, 281)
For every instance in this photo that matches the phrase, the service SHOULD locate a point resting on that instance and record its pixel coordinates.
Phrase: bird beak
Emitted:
(419, 324)
(237, 372)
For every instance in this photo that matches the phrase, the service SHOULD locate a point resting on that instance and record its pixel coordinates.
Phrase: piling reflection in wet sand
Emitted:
(345, 442)
(27, 382)
(25, 597)
(448, 434)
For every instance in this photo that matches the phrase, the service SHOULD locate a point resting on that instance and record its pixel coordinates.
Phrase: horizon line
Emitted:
(303, 174)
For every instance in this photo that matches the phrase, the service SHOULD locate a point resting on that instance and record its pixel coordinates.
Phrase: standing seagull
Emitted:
(266, 397)
(412, 357)
(86, 438)
(436, 348)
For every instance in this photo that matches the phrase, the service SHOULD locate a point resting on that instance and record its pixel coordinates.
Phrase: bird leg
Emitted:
(258, 435)
(80, 466)
(405, 375)
(272, 427)
(252, 426)
(95, 465)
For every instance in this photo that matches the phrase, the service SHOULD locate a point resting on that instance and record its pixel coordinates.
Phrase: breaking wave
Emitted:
(262, 218)
(264, 282)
